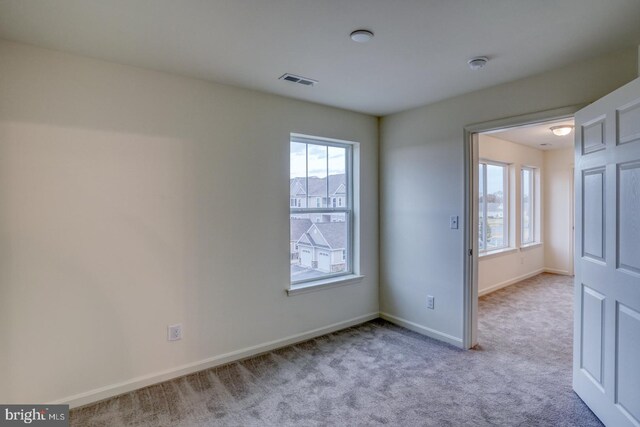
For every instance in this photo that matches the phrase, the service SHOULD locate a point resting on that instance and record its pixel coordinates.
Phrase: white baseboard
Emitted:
(506, 283)
(422, 329)
(112, 390)
(556, 271)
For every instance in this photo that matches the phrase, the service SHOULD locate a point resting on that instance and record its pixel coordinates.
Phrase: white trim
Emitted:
(318, 285)
(524, 119)
(470, 290)
(423, 330)
(532, 204)
(349, 209)
(496, 252)
(294, 135)
(557, 271)
(531, 246)
(106, 392)
(509, 282)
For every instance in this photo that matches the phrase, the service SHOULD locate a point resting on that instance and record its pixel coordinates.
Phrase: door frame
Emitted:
(572, 219)
(470, 221)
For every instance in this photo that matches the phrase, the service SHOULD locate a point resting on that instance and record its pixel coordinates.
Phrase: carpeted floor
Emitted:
(378, 373)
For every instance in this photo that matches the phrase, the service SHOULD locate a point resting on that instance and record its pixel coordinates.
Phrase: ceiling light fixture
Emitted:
(561, 130)
(478, 62)
(361, 36)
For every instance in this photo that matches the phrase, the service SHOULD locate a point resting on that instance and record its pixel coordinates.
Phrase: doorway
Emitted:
(520, 209)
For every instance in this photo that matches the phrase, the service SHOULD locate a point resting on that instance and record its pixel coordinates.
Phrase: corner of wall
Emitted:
(379, 166)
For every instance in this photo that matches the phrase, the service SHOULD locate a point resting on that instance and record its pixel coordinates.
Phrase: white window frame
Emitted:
(532, 205)
(506, 225)
(348, 210)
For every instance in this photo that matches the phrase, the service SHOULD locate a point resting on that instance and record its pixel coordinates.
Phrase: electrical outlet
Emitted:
(430, 302)
(453, 222)
(174, 332)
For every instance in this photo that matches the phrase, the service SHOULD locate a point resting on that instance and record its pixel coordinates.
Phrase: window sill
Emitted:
(531, 245)
(496, 253)
(319, 285)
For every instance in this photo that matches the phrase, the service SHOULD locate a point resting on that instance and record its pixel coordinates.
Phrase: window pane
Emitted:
(298, 175)
(319, 245)
(317, 173)
(338, 177)
(481, 225)
(320, 242)
(496, 208)
(527, 206)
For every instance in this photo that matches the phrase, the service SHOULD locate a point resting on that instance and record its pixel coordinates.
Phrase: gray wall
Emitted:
(422, 184)
(133, 199)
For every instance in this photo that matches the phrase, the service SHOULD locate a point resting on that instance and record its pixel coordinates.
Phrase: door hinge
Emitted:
(470, 252)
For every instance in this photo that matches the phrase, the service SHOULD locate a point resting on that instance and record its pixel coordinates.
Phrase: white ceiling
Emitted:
(534, 135)
(418, 54)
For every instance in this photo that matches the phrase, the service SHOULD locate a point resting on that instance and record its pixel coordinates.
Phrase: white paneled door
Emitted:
(606, 356)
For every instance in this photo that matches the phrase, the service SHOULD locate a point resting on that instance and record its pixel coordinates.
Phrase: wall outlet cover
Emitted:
(174, 332)
(453, 222)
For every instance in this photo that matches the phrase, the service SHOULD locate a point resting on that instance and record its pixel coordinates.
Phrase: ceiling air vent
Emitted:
(298, 79)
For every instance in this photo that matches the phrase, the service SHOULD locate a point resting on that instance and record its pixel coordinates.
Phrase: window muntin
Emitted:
(528, 206)
(493, 227)
(321, 233)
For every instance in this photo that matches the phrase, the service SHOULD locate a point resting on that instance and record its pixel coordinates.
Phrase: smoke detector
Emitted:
(361, 36)
(478, 62)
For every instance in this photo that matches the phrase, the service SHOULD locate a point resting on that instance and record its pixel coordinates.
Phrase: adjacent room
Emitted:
(525, 234)
(309, 213)
(525, 208)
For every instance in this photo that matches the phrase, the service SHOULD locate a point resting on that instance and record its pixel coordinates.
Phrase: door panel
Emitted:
(628, 352)
(592, 332)
(606, 368)
(629, 214)
(629, 123)
(593, 226)
(593, 135)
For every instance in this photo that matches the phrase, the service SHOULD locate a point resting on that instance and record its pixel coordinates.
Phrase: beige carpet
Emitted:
(380, 374)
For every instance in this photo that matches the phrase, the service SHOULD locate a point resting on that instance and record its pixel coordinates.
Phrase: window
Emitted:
(493, 206)
(323, 234)
(528, 205)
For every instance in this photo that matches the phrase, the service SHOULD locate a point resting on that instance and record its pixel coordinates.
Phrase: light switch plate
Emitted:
(430, 302)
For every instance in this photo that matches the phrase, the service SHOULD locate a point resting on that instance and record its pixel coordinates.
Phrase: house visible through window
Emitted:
(528, 206)
(321, 235)
(493, 206)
